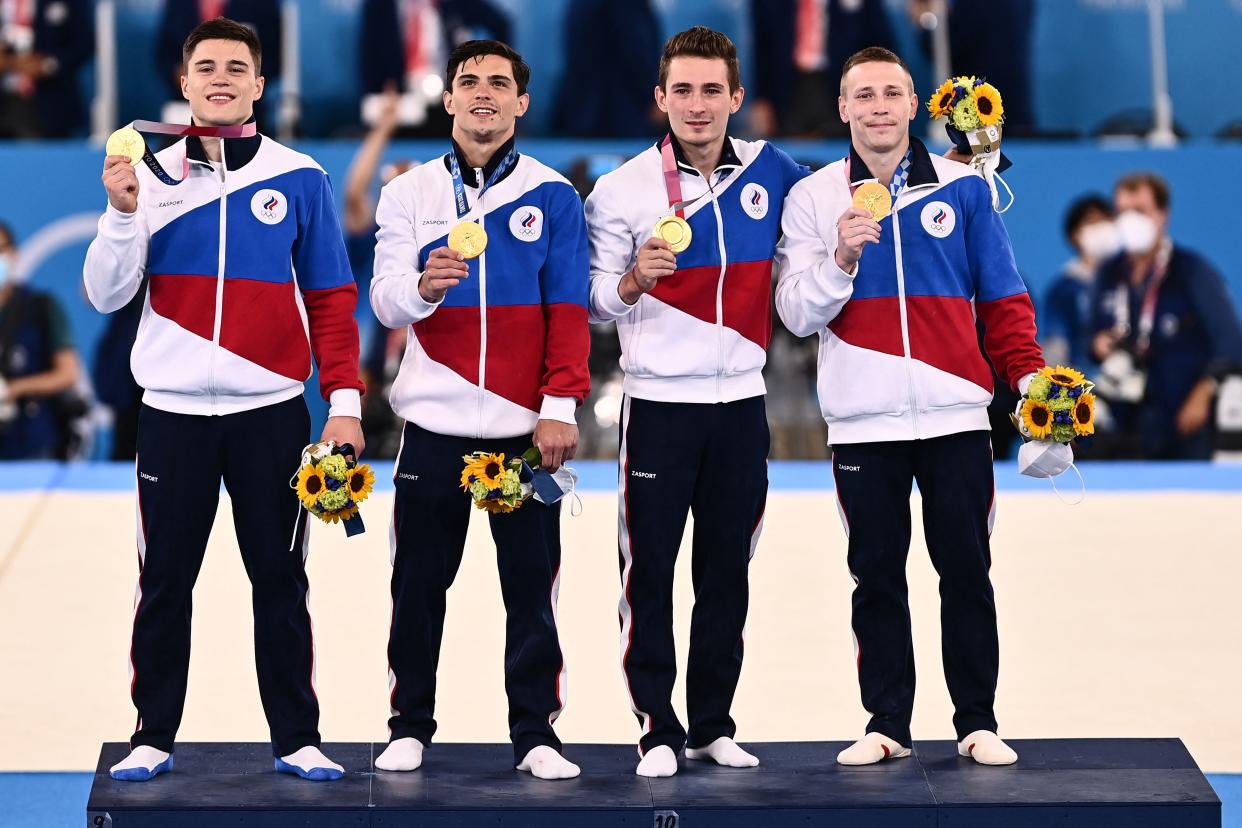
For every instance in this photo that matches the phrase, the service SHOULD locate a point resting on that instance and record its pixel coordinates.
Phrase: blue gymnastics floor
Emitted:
(601, 476)
(58, 800)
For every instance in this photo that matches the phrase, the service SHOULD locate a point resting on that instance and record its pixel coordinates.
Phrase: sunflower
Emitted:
(941, 103)
(495, 507)
(360, 482)
(346, 513)
(1084, 415)
(483, 466)
(988, 102)
(1062, 375)
(310, 485)
(1037, 418)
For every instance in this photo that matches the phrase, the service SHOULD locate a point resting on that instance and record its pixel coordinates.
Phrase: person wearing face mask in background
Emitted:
(1163, 324)
(1065, 321)
(38, 363)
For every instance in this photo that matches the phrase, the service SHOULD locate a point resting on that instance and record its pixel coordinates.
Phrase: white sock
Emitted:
(544, 762)
(144, 757)
(659, 761)
(401, 755)
(724, 751)
(309, 758)
(986, 748)
(872, 748)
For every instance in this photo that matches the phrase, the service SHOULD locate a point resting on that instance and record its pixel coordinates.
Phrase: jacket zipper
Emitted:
(215, 333)
(478, 204)
(720, 240)
(905, 325)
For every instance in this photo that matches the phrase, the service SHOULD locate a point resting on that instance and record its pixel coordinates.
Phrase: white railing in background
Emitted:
(1161, 134)
(104, 106)
(291, 71)
(936, 21)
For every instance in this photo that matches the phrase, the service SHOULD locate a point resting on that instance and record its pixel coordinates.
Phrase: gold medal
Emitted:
(873, 197)
(126, 141)
(674, 230)
(467, 238)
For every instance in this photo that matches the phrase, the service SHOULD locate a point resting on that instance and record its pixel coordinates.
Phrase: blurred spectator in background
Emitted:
(39, 367)
(1065, 321)
(382, 348)
(42, 46)
(620, 43)
(404, 46)
(181, 16)
(990, 39)
(115, 386)
(799, 48)
(1164, 324)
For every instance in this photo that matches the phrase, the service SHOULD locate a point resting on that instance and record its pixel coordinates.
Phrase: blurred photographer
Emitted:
(38, 368)
(1164, 326)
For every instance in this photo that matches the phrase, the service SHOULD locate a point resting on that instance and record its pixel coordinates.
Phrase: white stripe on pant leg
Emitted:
(306, 599)
(140, 531)
(627, 554)
(392, 561)
(562, 677)
(992, 511)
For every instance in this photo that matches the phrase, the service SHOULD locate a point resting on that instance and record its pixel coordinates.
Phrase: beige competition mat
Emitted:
(1119, 617)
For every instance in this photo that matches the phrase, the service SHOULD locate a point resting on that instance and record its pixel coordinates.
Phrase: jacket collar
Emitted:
(728, 156)
(238, 152)
(467, 172)
(922, 170)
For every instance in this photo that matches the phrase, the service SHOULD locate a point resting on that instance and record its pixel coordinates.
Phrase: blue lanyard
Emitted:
(459, 187)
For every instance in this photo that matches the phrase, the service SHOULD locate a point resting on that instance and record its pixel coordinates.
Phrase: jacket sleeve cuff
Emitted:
(345, 402)
(561, 409)
(608, 301)
(119, 224)
(421, 307)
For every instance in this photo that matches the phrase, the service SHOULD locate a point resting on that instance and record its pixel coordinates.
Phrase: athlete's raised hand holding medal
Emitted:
(445, 269)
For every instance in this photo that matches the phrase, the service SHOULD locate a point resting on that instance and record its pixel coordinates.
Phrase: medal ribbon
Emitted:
(1147, 313)
(156, 128)
(672, 178)
(459, 186)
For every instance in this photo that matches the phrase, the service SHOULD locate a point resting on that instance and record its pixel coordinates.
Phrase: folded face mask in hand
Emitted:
(1037, 458)
(552, 486)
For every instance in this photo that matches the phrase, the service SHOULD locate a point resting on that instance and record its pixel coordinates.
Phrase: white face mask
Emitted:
(1039, 458)
(1137, 232)
(6, 269)
(1099, 240)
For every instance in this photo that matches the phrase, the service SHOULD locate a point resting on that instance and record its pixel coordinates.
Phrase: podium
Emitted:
(1068, 783)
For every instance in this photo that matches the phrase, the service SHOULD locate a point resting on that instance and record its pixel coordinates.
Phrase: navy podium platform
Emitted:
(1092, 783)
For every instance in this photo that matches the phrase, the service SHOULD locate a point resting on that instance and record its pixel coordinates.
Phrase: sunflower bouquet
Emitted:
(1057, 407)
(331, 484)
(975, 113)
(498, 485)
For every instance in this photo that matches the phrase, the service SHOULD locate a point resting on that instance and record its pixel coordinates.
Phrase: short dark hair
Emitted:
(6, 233)
(703, 42)
(874, 54)
(479, 49)
(221, 28)
(1082, 208)
(1152, 181)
